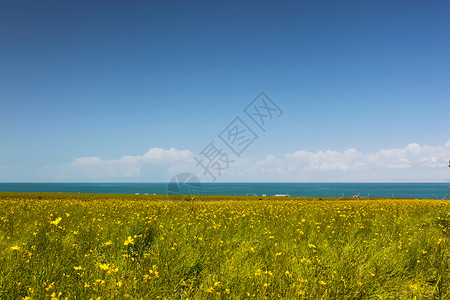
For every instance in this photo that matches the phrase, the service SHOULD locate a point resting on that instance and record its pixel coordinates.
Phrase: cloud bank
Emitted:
(411, 163)
(156, 160)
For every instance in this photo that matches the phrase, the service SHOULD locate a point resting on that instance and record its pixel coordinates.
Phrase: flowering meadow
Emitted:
(83, 246)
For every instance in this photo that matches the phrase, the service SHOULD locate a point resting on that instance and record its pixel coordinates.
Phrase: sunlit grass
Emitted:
(67, 246)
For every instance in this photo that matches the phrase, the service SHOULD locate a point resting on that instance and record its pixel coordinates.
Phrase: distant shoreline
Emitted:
(184, 198)
(311, 190)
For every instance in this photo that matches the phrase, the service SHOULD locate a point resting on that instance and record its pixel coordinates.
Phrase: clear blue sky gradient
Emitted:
(112, 78)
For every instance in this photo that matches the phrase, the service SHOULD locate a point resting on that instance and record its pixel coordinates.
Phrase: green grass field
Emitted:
(82, 246)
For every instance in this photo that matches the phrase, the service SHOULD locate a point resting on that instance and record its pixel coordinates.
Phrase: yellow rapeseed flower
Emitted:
(56, 221)
(104, 267)
(128, 241)
(50, 286)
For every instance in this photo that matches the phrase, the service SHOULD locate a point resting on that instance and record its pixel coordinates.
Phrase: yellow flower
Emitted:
(54, 296)
(155, 270)
(78, 268)
(50, 286)
(108, 243)
(129, 241)
(56, 221)
(322, 282)
(99, 281)
(15, 248)
(311, 246)
(104, 267)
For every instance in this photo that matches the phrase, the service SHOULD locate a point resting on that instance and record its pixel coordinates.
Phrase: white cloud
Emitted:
(413, 162)
(325, 160)
(129, 166)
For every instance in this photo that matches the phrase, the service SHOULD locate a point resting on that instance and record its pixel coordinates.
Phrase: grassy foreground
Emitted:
(79, 246)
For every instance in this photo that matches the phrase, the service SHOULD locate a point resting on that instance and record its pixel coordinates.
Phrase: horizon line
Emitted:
(369, 181)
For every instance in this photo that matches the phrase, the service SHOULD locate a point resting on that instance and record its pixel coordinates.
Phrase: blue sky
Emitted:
(102, 91)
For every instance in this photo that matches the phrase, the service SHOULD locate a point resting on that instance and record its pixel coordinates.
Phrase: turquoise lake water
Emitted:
(395, 190)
